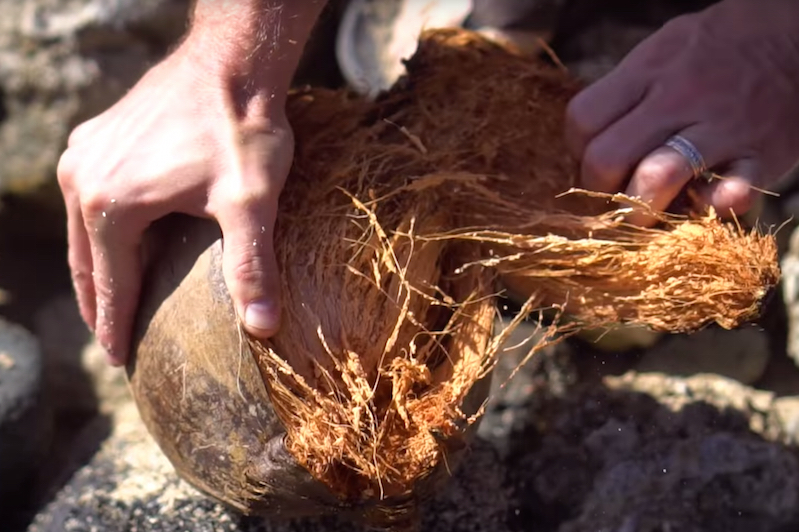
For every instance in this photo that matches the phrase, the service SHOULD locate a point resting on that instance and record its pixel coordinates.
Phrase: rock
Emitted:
(517, 376)
(786, 412)
(62, 62)
(84, 390)
(740, 354)
(129, 485)
(597, 50)
(692, 473)
(649, 452)
(63, 336)
(78, 373)
(25, 428)
(790, 294)
(643, 452)
(594, 37)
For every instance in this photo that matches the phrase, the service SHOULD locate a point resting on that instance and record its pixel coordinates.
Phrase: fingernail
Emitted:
(262, 315)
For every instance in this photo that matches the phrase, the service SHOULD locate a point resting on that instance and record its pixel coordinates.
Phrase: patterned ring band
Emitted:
(687, 149)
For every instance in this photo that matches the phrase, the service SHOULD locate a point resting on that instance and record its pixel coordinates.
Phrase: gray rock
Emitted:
(595, 37)
(602, 46)
(786, 414)
(649, 452)
(129, 485)
(77, 372)
(790, 294)
(639, 452)
(62, 62)
(63, 336)
(25, 428)
(740, 354)
(516, 377)
(84, 391)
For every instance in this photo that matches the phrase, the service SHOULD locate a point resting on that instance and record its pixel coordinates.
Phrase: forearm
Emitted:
(257, 41)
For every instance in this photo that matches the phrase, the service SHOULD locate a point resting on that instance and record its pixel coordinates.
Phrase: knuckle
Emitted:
(78, 133)
(681, 32)
(679, 25)
(245, 197)
(657, 175)
(248, 269)
(81, 275)
(95, 202)
(740, 200)
(600, 166)
(577, 116)
(66, 169)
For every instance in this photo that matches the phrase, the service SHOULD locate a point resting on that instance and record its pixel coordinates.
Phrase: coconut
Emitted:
(400, 221)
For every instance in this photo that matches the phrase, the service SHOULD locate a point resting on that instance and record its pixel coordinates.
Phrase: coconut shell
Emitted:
(198, 388)
(202, 396)
(397, 225)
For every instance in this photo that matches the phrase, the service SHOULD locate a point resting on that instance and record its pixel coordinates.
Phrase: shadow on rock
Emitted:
(639, 452)
(649, 452)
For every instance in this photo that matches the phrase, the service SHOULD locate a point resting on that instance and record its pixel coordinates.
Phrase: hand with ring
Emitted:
(711, 93)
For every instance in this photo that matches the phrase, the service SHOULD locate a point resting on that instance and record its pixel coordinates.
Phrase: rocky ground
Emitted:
(693, 433)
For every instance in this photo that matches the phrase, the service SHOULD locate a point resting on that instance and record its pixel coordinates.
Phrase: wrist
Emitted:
(254, 45)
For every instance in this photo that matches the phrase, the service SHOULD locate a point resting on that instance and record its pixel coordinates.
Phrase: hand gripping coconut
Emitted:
(401, 221)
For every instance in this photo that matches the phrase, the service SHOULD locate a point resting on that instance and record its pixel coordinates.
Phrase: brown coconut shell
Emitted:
(214, 409)
(397, 219)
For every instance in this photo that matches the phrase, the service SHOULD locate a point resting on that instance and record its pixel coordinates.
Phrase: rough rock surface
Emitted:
(790, 294)
(63, 61)
(24, 418)
(129, 485)
(77, 370)
(666, 453)
(642, 452)
(84, 390)
(593, 37)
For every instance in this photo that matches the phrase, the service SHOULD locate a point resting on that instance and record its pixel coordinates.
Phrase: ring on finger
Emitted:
(691, 154)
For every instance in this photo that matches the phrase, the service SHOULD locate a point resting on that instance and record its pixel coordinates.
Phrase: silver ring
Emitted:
(687, 149)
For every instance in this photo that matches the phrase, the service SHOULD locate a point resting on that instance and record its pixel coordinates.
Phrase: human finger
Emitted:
(599, 105)
(625, 87)
(249, 263)
(611, 157)
(661, 175)
(657, 180)
(79, 257)
(115, 246)
(733, 191)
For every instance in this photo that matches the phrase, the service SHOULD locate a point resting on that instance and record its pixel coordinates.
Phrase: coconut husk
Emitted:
(467, 148)
(399, 223)
(384, 338)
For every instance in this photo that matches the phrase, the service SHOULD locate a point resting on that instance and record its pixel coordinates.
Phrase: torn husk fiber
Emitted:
(396, 218)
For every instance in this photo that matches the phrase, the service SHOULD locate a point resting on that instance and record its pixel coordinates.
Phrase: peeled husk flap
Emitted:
(400, 222)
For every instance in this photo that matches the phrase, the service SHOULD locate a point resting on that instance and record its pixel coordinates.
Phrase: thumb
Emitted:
(249, 265)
